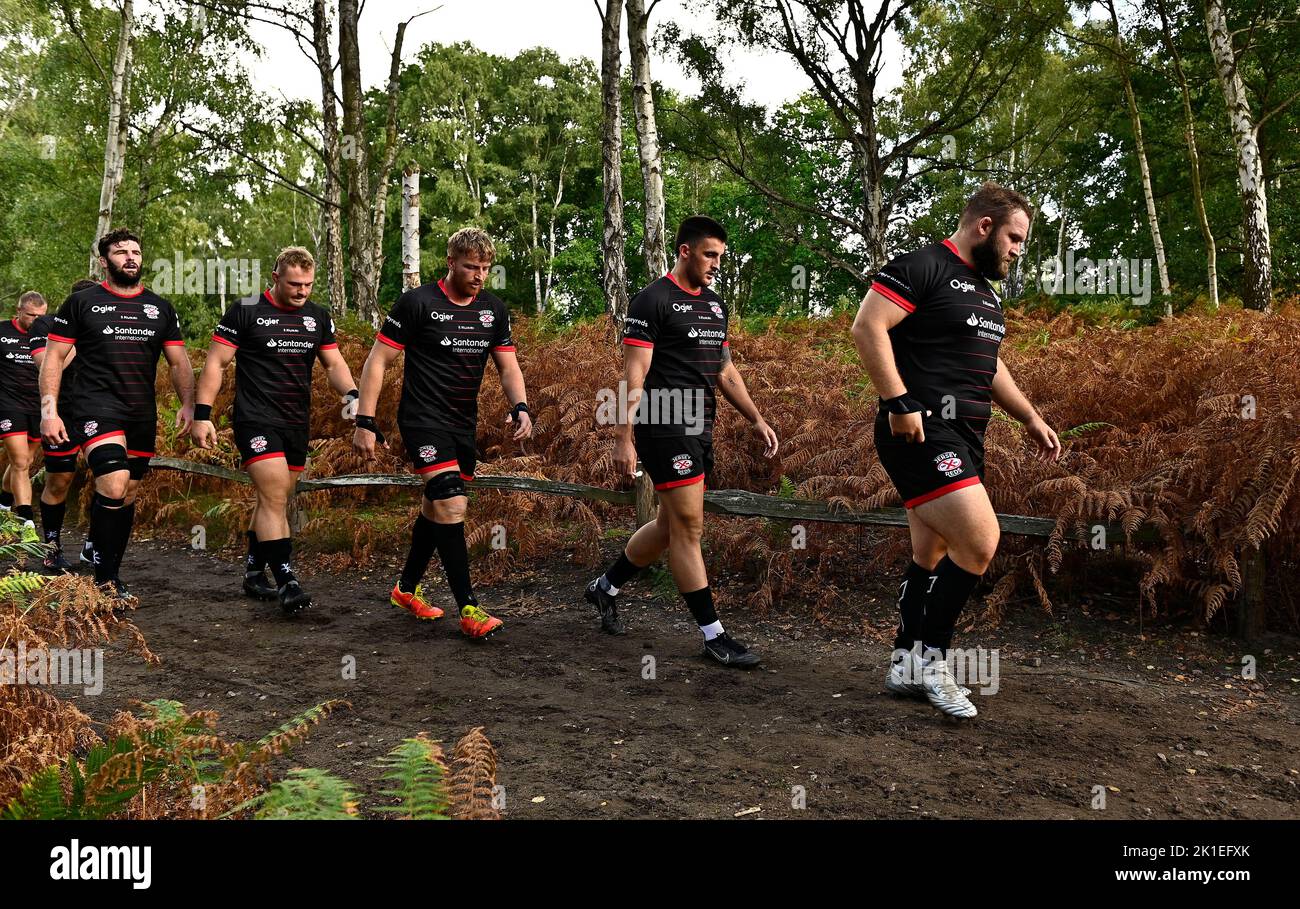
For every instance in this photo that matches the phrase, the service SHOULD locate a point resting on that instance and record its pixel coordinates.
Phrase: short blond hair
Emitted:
(35, 297)
(471, 240)
(296, 256)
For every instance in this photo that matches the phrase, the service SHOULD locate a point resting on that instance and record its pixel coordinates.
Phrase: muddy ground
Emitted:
(1163, 720)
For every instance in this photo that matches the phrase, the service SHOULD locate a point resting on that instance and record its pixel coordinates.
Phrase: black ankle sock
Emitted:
(621, 571)
(450, 539)
(52, 520)
(7, 499)
(700, 603)
(23, 511)
(912, 594)
(278, 554)
(952, 587)
(423, 543)
(254, 564)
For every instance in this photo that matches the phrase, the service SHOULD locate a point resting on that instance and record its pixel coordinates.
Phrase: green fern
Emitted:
(305, 794)
(1076, 431)
(419, 780)
(20, 584)
(788, 489)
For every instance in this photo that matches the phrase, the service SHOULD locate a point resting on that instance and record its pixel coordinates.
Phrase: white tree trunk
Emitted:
(647, 135)
(550, 245)
(411, 227)
(1059, 285)
(1257, 256)
(115, 139)
(534, 244)
(613, 267)
(332, 211)
(1148, 194)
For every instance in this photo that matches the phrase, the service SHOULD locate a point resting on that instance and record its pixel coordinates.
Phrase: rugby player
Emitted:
(20, 410)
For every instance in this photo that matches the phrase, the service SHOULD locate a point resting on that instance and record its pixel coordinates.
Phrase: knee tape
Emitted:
(107, 459)
(446, 485)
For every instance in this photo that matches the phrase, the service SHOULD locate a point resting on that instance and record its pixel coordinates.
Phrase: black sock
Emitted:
(450, 540)
(7, 499)
(952, 587)
(423, 543)
(109, 529)
(52, 521)
(911, 605)
(24, 512)
(278, 554)
(700, 603)
(254, 564)
(620, 572)
(128, 522)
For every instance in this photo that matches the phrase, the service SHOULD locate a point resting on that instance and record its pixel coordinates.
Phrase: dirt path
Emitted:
(581, 733)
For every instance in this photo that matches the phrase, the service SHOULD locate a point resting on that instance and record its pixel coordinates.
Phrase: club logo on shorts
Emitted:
(150, 311)
(682, 463)
(257, 443)
(948, 464)
(90, 427)
(486, 316)
(309, 323)
(427, 452)
(6, 425)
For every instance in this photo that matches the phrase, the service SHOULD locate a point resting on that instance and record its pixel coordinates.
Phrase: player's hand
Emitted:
(769, 438)
(1049, 445)
(53, 431)
(625, 457)
(525, 429)
(363, 442)
(204, 433)
(185, 417)
(908, 425)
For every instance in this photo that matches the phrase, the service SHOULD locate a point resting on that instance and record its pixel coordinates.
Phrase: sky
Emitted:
(504, 27)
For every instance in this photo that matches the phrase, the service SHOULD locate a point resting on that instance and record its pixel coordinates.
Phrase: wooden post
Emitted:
(1250, 603)
(645, 497)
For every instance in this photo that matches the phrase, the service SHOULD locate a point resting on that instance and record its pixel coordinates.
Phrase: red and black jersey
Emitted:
(18, 392)
(38, 334)
(447, 347)
(946, 349)
(688, 332)
(276, 349)
(119, 338)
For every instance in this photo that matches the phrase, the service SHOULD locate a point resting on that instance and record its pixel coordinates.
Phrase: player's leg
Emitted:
(443, 506)
(19, 453)
(109, 525)
(684, 508)
(643, 549)
(274, 483)
(255, 583)
(965, 519)
(60, 469)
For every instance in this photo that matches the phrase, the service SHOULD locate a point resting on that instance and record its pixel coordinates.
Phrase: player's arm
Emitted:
(48, 381)
(202, 430)
(381, 357)
(876, 316)
(336, 370)
(733, 389)
(182, 381)
(512, 384)
(1008, 396)
(636, 365)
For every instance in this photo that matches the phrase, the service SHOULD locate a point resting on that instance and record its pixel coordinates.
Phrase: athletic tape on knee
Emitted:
(106, 459)
(444, 486)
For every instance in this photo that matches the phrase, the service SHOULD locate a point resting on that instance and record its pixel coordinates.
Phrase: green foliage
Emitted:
(305, 794)
(417, 777)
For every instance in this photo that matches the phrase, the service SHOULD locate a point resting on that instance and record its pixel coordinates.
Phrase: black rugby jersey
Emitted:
(276, 349)
(447, 347)
(38, 335)
(946, 349)
(119, 338)
(18, 393)
(687, 332)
